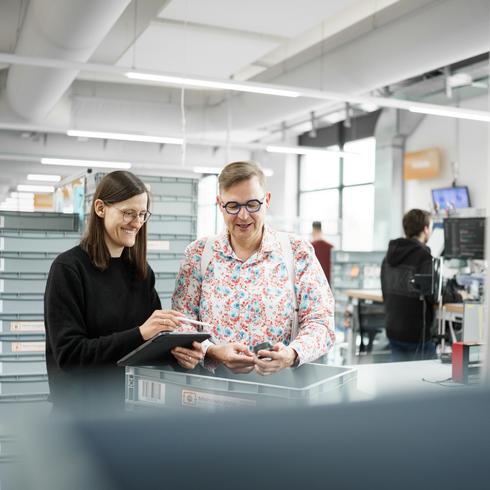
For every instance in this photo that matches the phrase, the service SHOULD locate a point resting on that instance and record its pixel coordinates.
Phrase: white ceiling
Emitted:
(366, 44)
(285, 18)
(191, 49)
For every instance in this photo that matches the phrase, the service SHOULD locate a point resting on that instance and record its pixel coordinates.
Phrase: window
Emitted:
(207, 212)
(358, 217)
(337, 190)
(320, 206)
(320, 171)
(359, 168)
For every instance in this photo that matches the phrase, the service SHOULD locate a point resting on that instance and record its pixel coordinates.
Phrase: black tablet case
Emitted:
(157, 350)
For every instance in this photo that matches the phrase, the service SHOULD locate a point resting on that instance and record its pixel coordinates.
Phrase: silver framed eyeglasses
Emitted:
(252, 206)
(130, 215)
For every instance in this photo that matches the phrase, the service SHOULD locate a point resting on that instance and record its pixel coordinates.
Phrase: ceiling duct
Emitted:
(69, 30)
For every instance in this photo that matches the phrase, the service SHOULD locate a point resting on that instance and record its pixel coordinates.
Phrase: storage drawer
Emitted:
(175, 244)
(19, 262)
(49, 242)
(172, 187)
(21, 304)
(166, 300)
(174, 208)
(18, 283)
(157, 185)
(16, 384)
(12, 220)
(310, 384)
(23, 344)
(160, 263)
(183, 225)
(22, 364)
(18, 324)
(165, 283)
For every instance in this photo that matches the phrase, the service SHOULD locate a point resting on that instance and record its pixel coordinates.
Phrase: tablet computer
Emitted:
(157, 350)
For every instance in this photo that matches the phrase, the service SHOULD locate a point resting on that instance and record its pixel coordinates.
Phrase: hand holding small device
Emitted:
(263, 346)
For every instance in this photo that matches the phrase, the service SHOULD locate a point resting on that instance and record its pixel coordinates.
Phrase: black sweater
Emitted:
(92, 319)
(404, 310)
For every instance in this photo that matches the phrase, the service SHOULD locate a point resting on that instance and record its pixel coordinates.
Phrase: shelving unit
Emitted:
(29, 242)
(353, 270)
(173, 225)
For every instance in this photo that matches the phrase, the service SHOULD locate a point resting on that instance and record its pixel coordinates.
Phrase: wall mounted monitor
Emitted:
(464, 238)
(451, 198)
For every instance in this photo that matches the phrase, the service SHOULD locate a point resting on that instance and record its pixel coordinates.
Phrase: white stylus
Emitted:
(195, 322)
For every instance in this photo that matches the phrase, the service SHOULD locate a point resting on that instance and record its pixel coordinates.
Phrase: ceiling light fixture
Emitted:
(85, 163)
(264, 88)
(254, 88)
(22, 195)
(306, 150)
(145, 138)
(268, 172)
(35, 188)
(452, 112)
(44, 177)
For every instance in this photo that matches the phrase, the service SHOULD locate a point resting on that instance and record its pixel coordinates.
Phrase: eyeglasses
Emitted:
(252, 206)
(130, 215)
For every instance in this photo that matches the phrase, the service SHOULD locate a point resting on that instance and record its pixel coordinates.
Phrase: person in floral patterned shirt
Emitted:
(245, 293)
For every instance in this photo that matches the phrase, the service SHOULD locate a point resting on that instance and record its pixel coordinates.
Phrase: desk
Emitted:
(397, 378)
(359, 296)
(365, 294)
(450, 312)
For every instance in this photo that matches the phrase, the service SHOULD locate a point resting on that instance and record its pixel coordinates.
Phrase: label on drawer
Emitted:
(2, 243)
(2, 221)
(27, 326)
(2, 264)
(28, 346)
(2, 286)
(159, 245)
(209, 400)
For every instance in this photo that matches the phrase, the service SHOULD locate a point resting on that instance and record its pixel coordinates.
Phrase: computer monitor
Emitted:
(451, 198)
(464, 238)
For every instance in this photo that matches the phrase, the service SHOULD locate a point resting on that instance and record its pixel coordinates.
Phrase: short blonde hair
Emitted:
(237, 172)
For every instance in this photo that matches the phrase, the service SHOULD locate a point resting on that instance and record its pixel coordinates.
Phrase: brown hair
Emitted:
(113, 188)
(415, 221)
(237, 172)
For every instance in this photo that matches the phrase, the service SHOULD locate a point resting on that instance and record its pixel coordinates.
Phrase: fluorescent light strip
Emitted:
(84, 163)
(306, 150)
(35, 188)
(451, 112)
(268, 172)
(44, 177)
(287, 91)
(125, 137)
(215, 84)
(22, 195)
(294, 150)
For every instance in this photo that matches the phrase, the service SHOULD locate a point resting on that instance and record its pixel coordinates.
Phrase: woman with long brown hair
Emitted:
(100, 301)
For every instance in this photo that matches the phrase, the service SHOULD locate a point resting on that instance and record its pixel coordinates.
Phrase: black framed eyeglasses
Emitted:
(252, 206)
(130, 215)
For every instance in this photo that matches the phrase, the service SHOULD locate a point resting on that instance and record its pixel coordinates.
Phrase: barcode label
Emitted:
(151, 391)
(28, 346)
(27, 326)
(158, 245)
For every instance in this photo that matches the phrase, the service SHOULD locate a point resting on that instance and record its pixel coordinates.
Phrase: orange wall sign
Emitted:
(423, 164)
